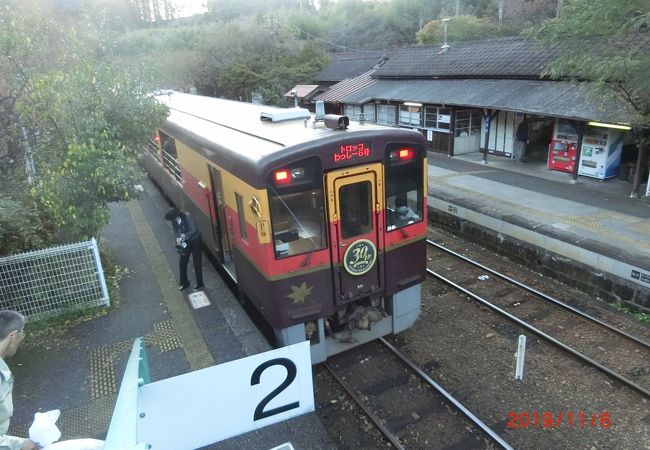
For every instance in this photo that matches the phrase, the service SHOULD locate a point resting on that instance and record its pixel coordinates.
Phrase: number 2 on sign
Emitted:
(255, 379)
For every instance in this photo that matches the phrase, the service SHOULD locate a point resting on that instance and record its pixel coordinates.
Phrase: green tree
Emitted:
(89, 123)
(79, 117)
(464, 28)
(606, 43)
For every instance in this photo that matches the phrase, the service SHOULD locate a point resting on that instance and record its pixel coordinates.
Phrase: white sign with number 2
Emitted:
(209, 405)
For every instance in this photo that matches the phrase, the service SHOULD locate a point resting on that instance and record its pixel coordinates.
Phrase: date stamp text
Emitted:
(547, 419)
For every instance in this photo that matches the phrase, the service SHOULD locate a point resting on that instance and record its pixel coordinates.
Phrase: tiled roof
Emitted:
(347, 87)
(348, 65)
(509, 57)
(552, 98)
(304, 90)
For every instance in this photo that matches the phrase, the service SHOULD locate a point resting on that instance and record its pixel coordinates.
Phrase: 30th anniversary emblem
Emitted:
(360, 257)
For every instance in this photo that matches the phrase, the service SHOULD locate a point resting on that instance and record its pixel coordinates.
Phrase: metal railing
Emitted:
(123, 430)
(48, 282)
(165, 159)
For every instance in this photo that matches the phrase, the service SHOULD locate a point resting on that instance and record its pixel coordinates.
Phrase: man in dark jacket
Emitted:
(188, 242)
(521, 140)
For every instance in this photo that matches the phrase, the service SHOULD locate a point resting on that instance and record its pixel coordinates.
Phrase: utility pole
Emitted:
(559, 8)
(458, 8)
(500, 11)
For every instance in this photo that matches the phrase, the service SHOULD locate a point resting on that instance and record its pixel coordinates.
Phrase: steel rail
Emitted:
(449, 398)
(385, 431)
(544, 296)
(548, 337)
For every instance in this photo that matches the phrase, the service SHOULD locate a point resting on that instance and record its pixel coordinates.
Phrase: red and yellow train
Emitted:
(321, 223)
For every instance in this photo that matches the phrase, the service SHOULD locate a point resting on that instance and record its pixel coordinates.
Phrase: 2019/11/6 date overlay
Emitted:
(579, 420)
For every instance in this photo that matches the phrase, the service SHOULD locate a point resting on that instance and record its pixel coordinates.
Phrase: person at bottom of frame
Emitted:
(11, 335)
(188, 242)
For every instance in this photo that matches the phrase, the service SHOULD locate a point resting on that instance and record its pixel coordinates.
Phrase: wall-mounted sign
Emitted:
(360, 257)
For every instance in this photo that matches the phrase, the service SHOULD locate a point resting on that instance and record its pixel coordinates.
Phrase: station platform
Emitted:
(589, 230)
(77, 367)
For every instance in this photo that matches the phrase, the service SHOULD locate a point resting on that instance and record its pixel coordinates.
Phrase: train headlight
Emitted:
(297, 173)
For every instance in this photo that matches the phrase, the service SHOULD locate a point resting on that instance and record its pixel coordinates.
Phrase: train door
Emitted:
(219, 228)
(354, 202)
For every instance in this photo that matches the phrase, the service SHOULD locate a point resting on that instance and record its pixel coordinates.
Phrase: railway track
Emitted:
(405, 404)
(611, 350)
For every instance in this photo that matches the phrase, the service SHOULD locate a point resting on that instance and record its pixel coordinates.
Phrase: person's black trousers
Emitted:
(194, 250)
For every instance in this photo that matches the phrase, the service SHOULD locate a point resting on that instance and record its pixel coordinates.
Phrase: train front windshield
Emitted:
(297, 211)
(404, 191)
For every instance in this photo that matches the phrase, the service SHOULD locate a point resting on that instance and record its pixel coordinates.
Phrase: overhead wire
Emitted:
(345, 47)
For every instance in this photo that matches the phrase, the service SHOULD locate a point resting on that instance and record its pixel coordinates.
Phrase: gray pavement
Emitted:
(77, 367)
(594, 223)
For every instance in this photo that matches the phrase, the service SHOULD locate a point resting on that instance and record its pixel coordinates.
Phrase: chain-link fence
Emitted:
(47, 282)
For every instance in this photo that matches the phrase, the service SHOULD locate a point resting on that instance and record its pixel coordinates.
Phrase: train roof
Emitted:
(232, 134)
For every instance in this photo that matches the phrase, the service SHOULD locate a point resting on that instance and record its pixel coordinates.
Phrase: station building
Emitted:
(472, 96)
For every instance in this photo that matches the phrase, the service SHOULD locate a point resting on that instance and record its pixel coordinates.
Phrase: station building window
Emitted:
(386, 115)
(369, 112)
(410, 115)
(354, 112)
(468, 123)
(437, 118)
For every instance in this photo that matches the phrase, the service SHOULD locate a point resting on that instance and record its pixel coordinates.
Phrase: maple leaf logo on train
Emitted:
(299, 294)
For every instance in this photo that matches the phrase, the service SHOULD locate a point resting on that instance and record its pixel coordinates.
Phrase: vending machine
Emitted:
(563, 148)
(600, 156)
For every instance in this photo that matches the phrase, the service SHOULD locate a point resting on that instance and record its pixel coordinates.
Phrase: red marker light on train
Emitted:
(282, 176)
(402, 154)
(286, 176)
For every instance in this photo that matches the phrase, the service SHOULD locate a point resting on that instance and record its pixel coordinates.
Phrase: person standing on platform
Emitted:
(521, 140)
(11, 335)
(188, 242)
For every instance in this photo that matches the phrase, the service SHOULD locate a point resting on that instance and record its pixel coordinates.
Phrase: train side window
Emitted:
(298, 222)
(242, 218)
(404, 196)
(170, 155)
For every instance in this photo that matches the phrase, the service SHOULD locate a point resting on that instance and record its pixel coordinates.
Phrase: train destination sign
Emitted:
(351, 152)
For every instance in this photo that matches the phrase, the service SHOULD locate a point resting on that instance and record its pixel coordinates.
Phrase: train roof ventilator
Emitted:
(280, 115)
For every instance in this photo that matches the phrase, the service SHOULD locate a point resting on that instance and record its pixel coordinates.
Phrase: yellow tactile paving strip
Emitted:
(188, 333)
(593, 220)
